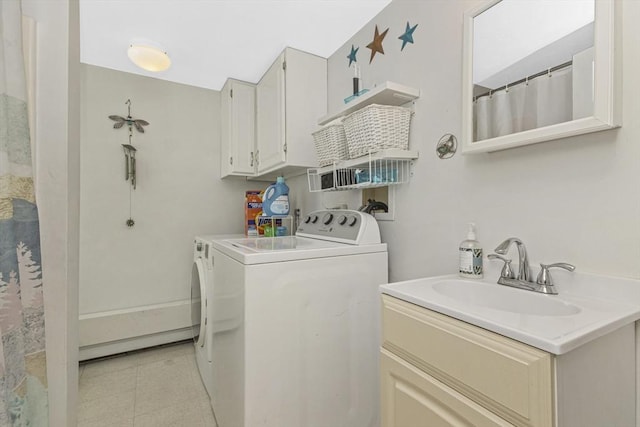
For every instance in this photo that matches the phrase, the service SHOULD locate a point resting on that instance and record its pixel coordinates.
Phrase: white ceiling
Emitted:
(211, 40)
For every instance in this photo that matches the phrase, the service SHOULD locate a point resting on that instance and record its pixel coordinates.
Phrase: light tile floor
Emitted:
(159, 387)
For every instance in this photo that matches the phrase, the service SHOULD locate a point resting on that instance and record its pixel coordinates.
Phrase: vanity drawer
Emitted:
(509, 378)
(414, 399)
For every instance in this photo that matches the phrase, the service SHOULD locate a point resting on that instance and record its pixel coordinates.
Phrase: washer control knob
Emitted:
(352, 221)
(342, 220)
(327, 218)
(307, 219)
(314, 219)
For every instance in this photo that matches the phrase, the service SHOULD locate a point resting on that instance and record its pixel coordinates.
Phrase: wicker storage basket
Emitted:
(377, 127)
(331, 144)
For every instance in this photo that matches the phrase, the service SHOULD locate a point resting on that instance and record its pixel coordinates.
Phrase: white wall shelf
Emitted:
(380, 169)
(387, 93)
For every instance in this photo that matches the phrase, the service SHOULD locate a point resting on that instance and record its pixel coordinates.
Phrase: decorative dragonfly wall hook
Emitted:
(129, 152)
(120, 121)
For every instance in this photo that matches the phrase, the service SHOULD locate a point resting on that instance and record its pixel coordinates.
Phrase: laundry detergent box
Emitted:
(252, 209)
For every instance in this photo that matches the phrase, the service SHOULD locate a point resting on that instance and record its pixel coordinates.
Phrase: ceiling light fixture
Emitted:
(148, 55)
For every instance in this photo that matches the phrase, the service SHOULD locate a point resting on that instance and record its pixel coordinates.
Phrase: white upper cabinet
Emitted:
(271, 117)
(238, 131)
(290, 97)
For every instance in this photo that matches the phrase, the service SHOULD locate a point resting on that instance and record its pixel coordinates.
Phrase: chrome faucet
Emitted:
(524, 271)
(543, 282)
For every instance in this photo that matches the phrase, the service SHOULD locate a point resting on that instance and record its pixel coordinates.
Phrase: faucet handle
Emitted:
(544, 277)
(507, 271)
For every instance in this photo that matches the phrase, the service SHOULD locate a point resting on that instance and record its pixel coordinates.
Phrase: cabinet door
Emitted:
(411, 398)
(509, 378)
(271, 139)
(238, 139)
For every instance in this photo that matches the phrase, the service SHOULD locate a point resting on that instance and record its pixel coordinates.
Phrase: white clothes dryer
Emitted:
(293, 329)
(204, 320)
(201, 274)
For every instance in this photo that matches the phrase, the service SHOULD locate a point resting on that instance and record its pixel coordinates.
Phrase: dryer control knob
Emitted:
(352, 221)
(327, 218)
(342, 220)
(307, 220)
(314, 219)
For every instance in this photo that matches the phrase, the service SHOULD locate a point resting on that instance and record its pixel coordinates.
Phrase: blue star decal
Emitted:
(352, 55)
(407, 37)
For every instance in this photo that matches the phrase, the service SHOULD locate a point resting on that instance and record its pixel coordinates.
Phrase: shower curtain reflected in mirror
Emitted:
(23, 382)
(539, 102)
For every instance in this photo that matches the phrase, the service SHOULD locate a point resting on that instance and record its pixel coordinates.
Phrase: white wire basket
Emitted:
(377, 127)
(372, 173)
(331, 144)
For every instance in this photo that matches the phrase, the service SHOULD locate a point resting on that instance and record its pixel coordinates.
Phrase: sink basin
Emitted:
(586, 307)
(499, 297)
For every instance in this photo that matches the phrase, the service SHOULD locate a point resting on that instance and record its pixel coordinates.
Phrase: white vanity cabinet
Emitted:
(439, 371)
(290, 97)
(238, 130)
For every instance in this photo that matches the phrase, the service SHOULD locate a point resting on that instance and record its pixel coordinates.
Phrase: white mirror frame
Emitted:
(606, 87)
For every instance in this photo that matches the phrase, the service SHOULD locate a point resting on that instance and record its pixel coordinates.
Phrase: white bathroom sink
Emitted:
(587, 307)
(504, 298)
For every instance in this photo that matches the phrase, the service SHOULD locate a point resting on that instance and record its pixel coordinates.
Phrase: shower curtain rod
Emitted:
(533, 76)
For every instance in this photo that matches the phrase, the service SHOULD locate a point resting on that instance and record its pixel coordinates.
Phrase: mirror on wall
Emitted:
(537, 70)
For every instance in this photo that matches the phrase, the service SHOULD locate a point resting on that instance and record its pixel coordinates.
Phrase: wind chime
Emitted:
(129, 152)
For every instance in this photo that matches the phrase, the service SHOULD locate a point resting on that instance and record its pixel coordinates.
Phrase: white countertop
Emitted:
(587, 307)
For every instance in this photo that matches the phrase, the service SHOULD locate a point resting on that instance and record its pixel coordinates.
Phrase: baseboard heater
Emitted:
(118, 331)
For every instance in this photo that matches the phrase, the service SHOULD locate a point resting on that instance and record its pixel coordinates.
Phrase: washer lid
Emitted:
(261, 250)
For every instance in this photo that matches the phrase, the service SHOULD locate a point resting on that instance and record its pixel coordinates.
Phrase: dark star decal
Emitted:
(352, 55)
(376, 44)
(407, 37)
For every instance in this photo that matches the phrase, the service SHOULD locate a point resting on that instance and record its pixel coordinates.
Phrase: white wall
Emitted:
(57, 193)
(575, 200)
(179, 193)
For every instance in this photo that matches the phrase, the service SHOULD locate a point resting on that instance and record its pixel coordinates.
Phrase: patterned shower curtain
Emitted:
(23, 383)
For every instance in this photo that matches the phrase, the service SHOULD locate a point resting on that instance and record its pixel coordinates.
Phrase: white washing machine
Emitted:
(293, 325)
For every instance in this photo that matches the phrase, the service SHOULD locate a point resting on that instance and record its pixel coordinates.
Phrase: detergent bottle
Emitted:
(275, 200)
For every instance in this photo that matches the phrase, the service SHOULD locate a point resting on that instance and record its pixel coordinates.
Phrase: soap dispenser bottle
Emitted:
(471, 256)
